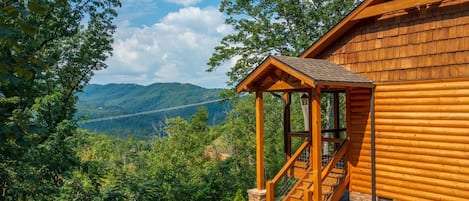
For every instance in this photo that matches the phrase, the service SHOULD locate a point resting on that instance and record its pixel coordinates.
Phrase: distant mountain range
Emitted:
(131, 109)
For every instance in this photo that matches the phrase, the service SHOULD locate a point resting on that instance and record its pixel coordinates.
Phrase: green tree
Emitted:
(48, 52)
(265, 27)
(261, 28)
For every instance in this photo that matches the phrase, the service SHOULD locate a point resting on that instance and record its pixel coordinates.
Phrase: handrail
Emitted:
(290, 162)
(336, 156)
(270, 184)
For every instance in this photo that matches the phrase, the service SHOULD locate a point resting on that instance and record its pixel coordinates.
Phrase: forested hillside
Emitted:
(160, 100)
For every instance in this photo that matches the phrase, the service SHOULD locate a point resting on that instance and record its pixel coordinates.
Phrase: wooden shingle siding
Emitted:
(430, 43)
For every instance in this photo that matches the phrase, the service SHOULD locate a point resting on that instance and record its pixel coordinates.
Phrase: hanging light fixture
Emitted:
(304, 99)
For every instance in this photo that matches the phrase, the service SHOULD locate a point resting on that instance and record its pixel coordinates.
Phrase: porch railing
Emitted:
(337, 165)
(275, 191)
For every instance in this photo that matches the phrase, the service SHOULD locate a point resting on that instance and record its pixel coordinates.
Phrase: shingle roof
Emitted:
(322, 70)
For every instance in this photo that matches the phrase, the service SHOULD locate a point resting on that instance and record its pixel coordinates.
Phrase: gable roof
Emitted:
(322, 70)
(305, 72)
(367, 9)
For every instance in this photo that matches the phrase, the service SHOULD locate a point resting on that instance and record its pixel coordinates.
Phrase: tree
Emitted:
(261, 28)
(48, 52)
(265, 27)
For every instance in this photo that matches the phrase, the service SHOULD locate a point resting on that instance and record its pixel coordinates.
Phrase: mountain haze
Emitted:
(113, 100)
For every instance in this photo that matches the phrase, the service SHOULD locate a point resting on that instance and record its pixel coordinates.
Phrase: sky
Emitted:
(166, 41)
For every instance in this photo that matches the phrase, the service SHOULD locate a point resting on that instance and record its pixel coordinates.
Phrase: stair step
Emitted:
(299, 197)
(333, 184)
(302, 188)
(338, 171)
(296, 197)
(332, 180)
(335, 175)
(307, 182)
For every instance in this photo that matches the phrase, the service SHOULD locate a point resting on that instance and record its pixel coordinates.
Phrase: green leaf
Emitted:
(10, 10)
(37, 8)
(28, 29)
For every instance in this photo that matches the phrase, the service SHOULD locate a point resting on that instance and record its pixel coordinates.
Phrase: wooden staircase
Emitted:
(333, 176)
(331, 182)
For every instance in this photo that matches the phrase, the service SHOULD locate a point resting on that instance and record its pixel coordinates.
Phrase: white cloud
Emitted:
(184, 2)
(175, 49)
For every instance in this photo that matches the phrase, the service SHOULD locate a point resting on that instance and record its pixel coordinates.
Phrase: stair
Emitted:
(332, 180)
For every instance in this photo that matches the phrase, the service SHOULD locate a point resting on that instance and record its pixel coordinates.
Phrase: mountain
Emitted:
(127, 102)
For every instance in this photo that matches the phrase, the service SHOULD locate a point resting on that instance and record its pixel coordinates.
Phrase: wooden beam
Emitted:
(287, 126)
(282, 86)
(345, 84)
(256, 73)
(259, 141)
(392, 6)
(348, 117)
(268, 70)
(316, 136)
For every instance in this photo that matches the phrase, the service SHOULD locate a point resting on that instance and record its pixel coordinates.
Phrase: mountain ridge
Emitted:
(100, 101)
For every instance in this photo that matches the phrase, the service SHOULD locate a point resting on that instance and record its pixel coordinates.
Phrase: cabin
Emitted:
(402, 67)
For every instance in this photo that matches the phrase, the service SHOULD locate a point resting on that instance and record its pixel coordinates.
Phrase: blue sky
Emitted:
(166, 41)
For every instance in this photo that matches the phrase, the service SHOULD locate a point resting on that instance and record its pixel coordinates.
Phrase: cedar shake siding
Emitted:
(425, 44)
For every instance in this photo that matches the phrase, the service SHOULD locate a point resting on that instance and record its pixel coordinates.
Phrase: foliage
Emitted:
(267, 27)
(48, 52)
(172, 168)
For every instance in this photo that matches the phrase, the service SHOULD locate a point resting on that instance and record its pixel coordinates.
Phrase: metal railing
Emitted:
(283, 182)
(336, 162)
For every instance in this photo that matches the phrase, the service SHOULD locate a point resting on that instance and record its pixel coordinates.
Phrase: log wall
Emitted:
(358, 129)
(419, 61)
(426, 43)
(422, 140)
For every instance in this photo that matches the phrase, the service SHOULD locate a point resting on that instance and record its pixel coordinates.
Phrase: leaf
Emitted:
(28, 29)
(36, 7)
(5, 32)
(10, 10)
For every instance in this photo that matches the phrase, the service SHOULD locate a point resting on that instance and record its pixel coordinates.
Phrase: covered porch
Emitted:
(317, 170)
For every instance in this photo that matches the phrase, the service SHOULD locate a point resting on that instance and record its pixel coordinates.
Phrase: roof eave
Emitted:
(345, 84)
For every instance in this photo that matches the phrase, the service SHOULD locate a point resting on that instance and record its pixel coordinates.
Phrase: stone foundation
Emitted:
(256, 195)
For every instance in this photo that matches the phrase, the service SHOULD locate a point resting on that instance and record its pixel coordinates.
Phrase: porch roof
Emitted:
(277, 73)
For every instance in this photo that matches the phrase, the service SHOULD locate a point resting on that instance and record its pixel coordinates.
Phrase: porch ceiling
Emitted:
(281, 73)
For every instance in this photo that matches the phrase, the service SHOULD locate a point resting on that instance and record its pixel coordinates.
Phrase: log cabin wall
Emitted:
(419, 62)
(358, 128)
(422, 140)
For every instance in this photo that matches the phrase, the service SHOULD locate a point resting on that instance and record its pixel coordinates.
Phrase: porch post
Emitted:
(286, 126)
(315, 125)
(259, 141)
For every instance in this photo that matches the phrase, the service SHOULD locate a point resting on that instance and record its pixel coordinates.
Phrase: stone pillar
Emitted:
(256, 195)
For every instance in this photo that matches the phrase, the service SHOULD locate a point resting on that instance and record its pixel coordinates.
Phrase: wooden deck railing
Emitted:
(336, 157)
(288, 165)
